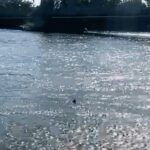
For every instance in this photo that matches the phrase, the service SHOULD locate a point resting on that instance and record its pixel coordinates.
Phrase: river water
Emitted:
(108, 76)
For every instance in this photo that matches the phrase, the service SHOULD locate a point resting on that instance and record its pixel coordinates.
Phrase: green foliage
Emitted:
(131, 7)
(92, 7)
(77, 7)
(14, 8)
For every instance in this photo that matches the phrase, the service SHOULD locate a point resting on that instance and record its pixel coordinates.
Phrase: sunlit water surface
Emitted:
(41, 74)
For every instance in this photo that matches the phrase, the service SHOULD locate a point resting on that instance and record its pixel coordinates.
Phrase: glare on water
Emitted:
(41, 74)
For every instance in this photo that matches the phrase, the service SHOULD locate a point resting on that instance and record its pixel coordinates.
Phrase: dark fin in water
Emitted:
(74, 101)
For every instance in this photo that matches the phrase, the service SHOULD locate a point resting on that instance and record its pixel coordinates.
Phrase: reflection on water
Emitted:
(40, 75)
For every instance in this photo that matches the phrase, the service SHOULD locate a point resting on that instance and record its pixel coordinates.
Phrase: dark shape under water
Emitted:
(74, 101)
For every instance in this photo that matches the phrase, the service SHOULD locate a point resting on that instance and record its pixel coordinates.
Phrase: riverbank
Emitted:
(121, 34)
(79, 24)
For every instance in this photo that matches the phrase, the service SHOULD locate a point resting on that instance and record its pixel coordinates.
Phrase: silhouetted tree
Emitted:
(130, 7)
(148, 2)
(91, 7)
(15, 8)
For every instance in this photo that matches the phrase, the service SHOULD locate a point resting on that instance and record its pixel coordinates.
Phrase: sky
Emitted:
(37, 2)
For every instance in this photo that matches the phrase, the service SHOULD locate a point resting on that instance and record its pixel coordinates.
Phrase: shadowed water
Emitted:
(41, 74)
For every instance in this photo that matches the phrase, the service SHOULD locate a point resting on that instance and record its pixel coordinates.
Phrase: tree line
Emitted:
(15, 8)
(40, 16)
(22, 8)
(93, 7)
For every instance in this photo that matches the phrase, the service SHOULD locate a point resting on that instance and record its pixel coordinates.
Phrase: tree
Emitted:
(130, 7)
(148, 2)
(15, 8)
(78, 7)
